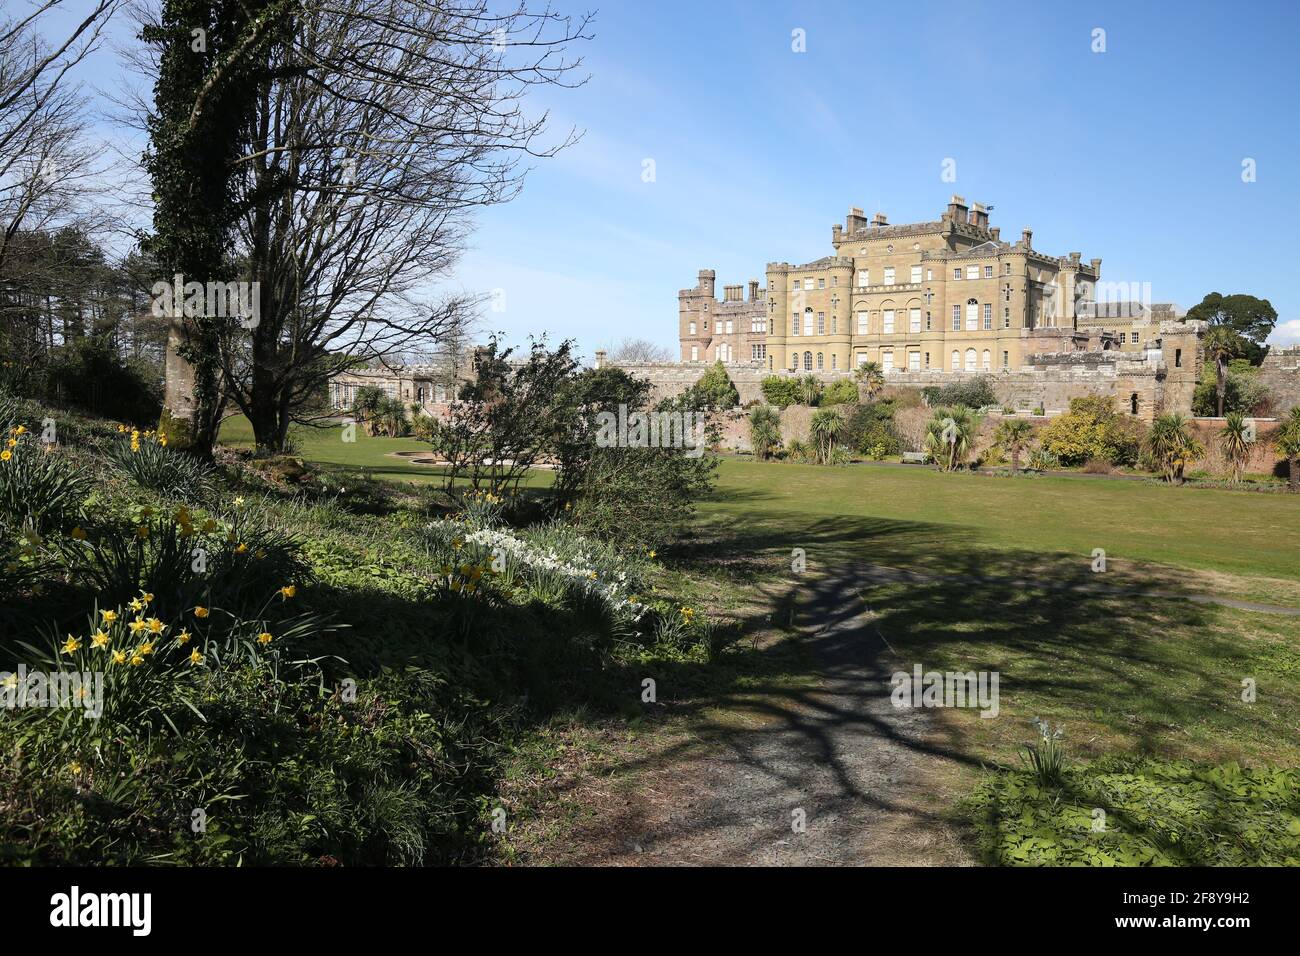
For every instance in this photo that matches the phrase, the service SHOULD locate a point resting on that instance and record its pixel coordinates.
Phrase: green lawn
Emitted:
(370, 456)
(1003, 582)
(1240, 543)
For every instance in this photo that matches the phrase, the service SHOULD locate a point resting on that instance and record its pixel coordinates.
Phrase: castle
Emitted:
(946, 295)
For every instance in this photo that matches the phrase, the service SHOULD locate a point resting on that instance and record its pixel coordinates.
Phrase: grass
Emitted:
(368, 455)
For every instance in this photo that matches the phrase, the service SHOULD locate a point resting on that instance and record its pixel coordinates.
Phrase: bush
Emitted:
(1092, 429)
(842, 391)
(714, 389)
(764, 431)
(1243, 391)
(975, 393)
(780, 390)
(147, 460)
(86, 374)
(869, 430)
(1040, 460)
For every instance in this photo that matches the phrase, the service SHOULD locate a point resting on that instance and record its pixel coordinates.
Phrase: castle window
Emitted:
(1007, 269)
(916, 274)
(887, 361)
(835, 280)
(927, 320)
(692, 328)
(971, 359)
(1122, 338)
(889, 322)
(956, 318)
(956, 273)
(820, 365)
(731, 326)
(914, 361)
(929, 275)
(717, 327)
(821, 283)
(1006, 359)
(862, 359)
(1006, 318)
(988, 360)
(862, 323)
(988, 272)
(1135, 337)
(807, 284)
(864, 277)
(821, 323)
(794, 361)
(835, 323)
(835, 361)
(889, 275)
(807, 322)
(757, 353)
(914, 320)
(1178, 358)
(972, 315)
(695, 353)
(807, 361)
(1006, 294)
(988, 316)
(927, 360)
(956, 361)
(794, 324)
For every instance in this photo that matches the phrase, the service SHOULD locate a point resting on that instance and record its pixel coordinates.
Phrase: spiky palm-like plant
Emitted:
(824, 429)
(1287, 443)
(764, 431)
(1013, 436)
(950, 435)
(1235, 439)
(871, 378)
(1172, 446)
(1221, 344)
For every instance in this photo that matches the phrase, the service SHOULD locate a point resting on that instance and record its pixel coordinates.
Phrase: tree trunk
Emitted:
(1293, 467)
(1220, 385)
(1015, 459)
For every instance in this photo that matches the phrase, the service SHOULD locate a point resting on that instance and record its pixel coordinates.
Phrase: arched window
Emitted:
(956, 361)
(988, 360)
(820, 363)
(970, 361)
(807, 361)
(972, 315)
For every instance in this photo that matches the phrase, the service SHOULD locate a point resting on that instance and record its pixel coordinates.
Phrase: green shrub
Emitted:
(869, 430)
(781, 390)
(1092, 429)
(86, 374)
(1041, 460)
(1243, 391)
(764, 431)
(714, 389)
(842, 391)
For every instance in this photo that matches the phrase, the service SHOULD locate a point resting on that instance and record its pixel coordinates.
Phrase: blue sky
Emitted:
(1133, 155)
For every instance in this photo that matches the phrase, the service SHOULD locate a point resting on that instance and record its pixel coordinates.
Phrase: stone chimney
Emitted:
(996, 233)
(1096, 266)
(1027, 237)
(979, 216)
(879, 219)
(855, 220)
(956, 209)
(600, 358)
(753, 290)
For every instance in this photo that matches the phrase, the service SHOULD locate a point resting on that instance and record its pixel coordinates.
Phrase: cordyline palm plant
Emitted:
(764, 431)
(824, 429)
(1172, 446)
(871, 378)
(950, 435)
(1287, 443)
(1235, 439)
(367, 406)
(1013, 436)
(1221, 344)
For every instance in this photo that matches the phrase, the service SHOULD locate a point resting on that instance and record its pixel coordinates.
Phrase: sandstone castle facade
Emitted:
(946, 295)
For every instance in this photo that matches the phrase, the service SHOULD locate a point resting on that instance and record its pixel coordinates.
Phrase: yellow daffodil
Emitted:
(183, 637)
(264, 638)
(71, 645)
(108, 616)
(78, 534)
(145, 649)
(201, 612)
(119, 657)
(136, 604)
(196, 657)
(136, 626)
(99, 640)
(155, 626)
(6, 455)
(241, 549)
(288, 591)
(142, 531)
(136, 660)
(74, 767)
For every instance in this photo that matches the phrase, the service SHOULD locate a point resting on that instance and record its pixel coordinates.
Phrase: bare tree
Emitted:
(381, 126)
(641, 350)
(46, 165)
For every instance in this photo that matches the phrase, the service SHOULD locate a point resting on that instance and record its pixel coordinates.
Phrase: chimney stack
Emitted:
(879, 220)
(753, 290)
(1027, 237)
(956, 209)
(855, 220)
